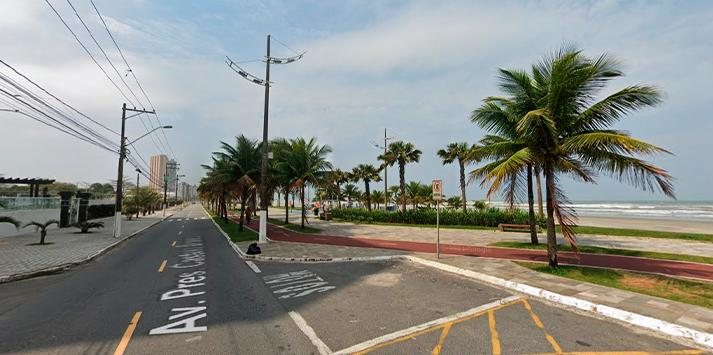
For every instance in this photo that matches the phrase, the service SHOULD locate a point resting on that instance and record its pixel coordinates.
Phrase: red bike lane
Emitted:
(666, 267)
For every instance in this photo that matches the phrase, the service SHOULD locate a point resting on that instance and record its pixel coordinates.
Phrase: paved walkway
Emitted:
(485, 237)
(667, 267)
(686, 315)
(18, 258)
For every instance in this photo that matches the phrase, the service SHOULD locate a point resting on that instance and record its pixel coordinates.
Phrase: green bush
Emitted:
(489, 217)
(100, 211)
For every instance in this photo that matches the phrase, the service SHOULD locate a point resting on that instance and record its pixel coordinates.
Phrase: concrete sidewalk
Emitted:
(685, 315)
(477, 237)
(65, 247)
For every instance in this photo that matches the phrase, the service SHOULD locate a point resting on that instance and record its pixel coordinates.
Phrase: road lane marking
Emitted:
(173, 244)
(309, 332)
(163, 265)
(555, 346)
(127, 334)
(180, 232)
(409, 333)
(253, 266)
(442, 339)
(494, 338)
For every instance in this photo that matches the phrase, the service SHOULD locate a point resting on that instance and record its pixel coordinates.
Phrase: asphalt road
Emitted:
(178, 288)
(88, 309)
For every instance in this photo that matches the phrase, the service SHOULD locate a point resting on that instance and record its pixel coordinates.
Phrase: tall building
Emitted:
(158, 170)
(172, 171)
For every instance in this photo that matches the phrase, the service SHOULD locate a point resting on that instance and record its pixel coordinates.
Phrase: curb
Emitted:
(67, 266)
(646, 322)
(657, 325)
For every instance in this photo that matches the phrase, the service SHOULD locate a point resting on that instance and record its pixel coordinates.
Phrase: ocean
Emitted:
(680, 210)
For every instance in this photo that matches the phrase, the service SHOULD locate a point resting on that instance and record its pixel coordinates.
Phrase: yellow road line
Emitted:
(670, 352)
(444, 334)
(163, 265)
(173, 244)
(127, 334)
(494, 338)
(556, 347)
(428, 330)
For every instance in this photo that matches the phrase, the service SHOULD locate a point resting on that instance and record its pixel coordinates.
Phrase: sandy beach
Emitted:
(658, 224)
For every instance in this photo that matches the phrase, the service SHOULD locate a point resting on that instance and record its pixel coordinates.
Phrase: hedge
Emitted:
(489, 217)
(100, 211)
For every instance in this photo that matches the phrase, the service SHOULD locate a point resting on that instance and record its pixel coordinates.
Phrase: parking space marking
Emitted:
(409, 333)
(253, 266)
(494, 337)
(127, 334)
(538, 323)
(309, 332)
(442, 339)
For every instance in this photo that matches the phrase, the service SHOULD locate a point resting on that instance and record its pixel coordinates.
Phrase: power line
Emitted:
(88, 52)
(121, 53)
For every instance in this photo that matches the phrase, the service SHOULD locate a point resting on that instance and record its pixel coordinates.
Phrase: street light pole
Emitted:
(136, 197)
(263, 169)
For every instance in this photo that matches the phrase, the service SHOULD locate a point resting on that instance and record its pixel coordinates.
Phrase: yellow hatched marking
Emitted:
(163, 265)
(494, 337)
(127, 334)
(442, 339)
(428, 330)
(556, 347)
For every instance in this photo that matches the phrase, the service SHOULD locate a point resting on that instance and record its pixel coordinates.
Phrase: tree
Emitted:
(570, 133)
(351, 192)
(307, 164)
(366, 173)
(10, 220)
(463, 153)
(377, 197)
(42, 228)
(401, 153)
(454, 202)
(85, 226)
(337, 177)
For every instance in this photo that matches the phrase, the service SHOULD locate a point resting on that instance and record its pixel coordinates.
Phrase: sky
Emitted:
(416, 68)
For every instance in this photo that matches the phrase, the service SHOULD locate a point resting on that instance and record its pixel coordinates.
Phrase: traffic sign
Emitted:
(437, 186)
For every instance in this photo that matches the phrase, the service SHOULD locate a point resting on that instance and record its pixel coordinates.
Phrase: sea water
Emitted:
(683, 210)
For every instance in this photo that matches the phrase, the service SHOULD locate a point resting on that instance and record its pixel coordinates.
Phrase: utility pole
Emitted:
(136, 197)
(175, 197)
(120, 172)
(165, 190)
(385, 147)
(262, 238)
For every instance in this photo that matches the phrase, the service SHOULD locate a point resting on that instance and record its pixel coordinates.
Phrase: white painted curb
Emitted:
(658, 325)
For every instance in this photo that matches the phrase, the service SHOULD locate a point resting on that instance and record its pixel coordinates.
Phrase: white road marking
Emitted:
(194, 338)
(309, 332)
(404, 332)
(253, 266)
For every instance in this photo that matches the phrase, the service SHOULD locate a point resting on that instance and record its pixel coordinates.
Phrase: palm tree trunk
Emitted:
(243, 201)
(287, 206)
(368, 195)
(539, 190)
(302, 198)
(462, 185)
(339, 198)
(551, 233)
(402, 184)
(531, 207)
(43, 234)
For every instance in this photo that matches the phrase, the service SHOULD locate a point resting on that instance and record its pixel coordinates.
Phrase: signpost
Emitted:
(437, 186)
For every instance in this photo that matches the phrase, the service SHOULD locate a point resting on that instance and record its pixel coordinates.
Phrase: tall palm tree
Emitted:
(401, 153)
(281, 174)
(307, 163)
(366, 173)
(338, 177)
(463, 153)
(569, 133)
(377, 197)
(351, 192)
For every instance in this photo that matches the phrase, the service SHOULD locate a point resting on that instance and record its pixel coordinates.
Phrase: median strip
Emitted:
(127, 334)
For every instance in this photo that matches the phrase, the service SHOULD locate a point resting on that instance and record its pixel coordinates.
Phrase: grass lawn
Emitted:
(231, 228)
(621, 232)
(295, 227)
(687, 291)
(600, 250)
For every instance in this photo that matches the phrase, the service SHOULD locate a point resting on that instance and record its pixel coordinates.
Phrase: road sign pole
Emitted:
(438, 230)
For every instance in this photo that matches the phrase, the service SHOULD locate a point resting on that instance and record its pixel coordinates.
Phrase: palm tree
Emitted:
(366, 173)
(8, 219)
(307, 163)
(42, 228)
(401, 153)
(280, 173)
(338, 177)
(569, 132)
(454, 202)
(377, 197)
(351, 192)
(464, 154)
